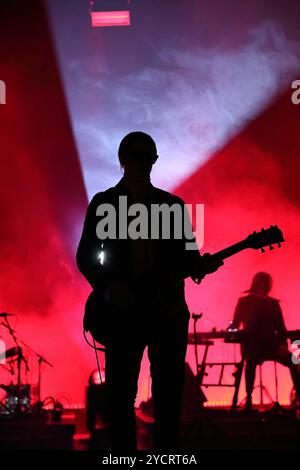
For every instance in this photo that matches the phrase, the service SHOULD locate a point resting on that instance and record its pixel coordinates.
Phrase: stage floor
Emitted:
(210, 429)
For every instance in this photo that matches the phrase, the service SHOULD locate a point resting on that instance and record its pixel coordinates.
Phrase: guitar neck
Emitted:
(231, 250)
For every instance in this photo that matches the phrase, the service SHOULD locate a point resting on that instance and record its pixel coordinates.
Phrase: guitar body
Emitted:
(98, 318)
(105, 308)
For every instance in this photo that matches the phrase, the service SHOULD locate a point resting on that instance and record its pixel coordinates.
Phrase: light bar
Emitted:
(110, 18)
(2, 92)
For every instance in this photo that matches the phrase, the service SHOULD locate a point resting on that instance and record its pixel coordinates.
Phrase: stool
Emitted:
(263, 388)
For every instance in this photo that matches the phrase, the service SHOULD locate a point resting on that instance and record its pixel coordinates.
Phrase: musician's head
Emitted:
(137, 154)
(261, 284)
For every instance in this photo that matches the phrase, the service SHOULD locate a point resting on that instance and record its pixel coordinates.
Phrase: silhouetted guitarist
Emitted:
(144, 281)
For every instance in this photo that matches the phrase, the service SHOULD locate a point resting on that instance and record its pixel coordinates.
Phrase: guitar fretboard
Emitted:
(231, 250)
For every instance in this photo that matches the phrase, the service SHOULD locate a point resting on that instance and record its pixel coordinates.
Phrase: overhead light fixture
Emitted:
(110, 13)
(2, 92)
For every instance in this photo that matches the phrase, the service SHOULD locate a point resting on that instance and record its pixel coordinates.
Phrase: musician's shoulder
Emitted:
(274, 300)
(250, 297)
(167, 197)
(104, 195)
(96, 198)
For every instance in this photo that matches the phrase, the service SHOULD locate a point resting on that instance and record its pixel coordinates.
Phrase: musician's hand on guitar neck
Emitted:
(209, 264)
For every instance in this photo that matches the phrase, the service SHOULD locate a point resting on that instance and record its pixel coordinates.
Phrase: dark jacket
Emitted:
(160, 286)
(263, 324)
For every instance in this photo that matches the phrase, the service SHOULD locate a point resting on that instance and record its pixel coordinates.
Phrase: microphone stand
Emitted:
(20, 359)
(41, 359)
(11, 371)
(196, 317)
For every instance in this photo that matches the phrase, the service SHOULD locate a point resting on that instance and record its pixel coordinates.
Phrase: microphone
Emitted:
(196, 316)
(4, 314)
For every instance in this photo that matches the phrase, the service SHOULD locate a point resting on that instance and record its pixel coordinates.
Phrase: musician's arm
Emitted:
(192, 261)
(89, 247)
(280, 325)
(193, 264)
(238, 316)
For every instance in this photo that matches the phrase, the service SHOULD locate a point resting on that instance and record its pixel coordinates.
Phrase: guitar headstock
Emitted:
(266, 237)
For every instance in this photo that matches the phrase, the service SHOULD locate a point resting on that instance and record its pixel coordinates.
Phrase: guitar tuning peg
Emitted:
(262, 250)
(279, 245)
(271, 247)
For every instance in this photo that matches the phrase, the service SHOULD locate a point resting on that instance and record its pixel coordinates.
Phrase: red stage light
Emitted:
(110, 18)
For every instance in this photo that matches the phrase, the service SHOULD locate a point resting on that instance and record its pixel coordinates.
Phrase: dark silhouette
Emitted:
(144, 281)
(265, 332)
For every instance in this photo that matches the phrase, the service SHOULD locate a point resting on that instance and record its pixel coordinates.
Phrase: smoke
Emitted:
(192, 98)
(196, 92)
(247, 185)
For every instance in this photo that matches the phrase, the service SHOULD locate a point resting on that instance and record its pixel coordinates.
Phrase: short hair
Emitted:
(136, 143)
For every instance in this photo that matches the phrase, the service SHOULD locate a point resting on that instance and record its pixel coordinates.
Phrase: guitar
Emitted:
(100, 308)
